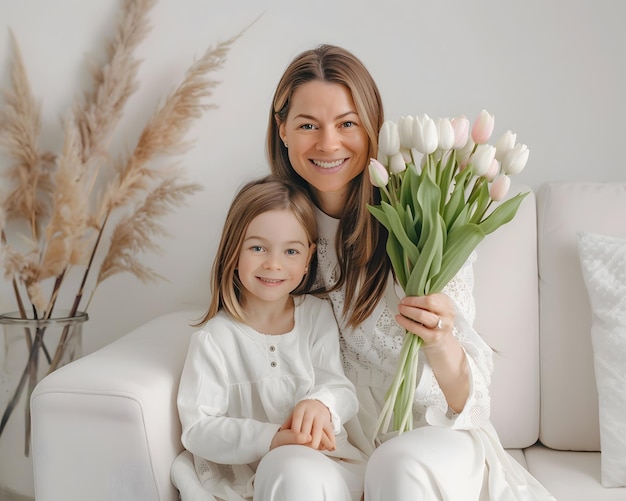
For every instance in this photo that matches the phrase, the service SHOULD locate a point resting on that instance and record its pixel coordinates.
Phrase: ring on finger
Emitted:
(439, 325)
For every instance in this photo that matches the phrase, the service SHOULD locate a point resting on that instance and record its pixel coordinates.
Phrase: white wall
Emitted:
(552, 71)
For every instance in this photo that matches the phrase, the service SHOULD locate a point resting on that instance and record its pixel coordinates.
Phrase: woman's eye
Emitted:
(347, 124)
(307, 126)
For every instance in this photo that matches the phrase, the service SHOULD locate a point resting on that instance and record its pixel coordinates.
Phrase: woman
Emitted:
(323, 129)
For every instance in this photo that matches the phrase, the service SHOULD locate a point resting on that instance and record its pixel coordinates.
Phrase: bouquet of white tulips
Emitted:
(438, 181)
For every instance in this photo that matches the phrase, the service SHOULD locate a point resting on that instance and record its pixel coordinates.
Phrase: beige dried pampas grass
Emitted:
(53, 218)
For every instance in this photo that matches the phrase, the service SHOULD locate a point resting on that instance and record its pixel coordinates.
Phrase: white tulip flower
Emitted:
(389, 138)
(505, 144)
(482, 159)
(425, 134)
(515, 159)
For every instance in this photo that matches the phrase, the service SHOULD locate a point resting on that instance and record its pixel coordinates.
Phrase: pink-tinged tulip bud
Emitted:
(396, 164)
(499, 188)
(505, 144)
(389, 139)
(445, 134)
(425, 134)
(379, 176)
(482, 158)
(460, 125)
(494, 169)
(483, 127)
(515, 160)
(405, 126)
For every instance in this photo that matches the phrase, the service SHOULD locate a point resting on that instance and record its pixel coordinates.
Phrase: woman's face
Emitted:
(327, 144)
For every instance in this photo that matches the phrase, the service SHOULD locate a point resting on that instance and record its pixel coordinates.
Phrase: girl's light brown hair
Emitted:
(364, 265)
(255, 198)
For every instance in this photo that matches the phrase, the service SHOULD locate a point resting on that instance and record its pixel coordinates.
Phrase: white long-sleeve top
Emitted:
(370, 352)
(238, 386)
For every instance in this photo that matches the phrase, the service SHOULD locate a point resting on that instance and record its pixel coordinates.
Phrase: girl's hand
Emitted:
(313, 418)
(289, 437)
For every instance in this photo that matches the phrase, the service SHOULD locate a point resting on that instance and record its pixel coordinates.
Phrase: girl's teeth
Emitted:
(328, 165)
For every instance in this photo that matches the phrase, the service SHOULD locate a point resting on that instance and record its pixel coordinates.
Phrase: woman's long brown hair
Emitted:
(361, 240)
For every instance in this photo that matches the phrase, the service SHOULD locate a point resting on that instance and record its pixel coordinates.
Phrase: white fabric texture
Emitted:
(370, 351)
(603, 262)
(426, 464)
(370, 355)
(238, 386)
(294, 473)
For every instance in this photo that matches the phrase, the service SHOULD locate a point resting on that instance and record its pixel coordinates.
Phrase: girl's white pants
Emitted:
(424, 464)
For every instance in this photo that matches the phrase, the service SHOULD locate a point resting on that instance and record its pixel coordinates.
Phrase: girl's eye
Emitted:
(292, 252)
(256, 248)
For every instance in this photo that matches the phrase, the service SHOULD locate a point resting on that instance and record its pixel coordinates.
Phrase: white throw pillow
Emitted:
(603, 262)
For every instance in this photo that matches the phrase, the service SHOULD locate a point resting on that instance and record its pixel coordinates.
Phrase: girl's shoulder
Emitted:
(216, 326)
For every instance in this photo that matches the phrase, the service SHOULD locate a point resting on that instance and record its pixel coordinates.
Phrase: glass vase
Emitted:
(30, 349)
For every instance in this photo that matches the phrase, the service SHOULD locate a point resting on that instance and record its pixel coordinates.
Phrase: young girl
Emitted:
(322, 131)
(264, 373)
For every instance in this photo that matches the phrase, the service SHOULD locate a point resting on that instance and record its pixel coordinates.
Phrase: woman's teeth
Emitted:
(328, 165)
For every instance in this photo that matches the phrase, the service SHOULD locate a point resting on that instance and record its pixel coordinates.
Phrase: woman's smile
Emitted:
(329, 165)
(327, 145)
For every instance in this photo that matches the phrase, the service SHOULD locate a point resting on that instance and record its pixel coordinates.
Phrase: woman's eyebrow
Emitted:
(338, 117)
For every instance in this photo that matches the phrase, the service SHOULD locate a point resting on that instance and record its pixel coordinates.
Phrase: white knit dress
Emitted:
(370, 355)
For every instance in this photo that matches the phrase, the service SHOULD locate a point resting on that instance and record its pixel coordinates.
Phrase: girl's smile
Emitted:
(273, 259)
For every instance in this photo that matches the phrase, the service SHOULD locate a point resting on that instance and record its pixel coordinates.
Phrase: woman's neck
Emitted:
(331, 203)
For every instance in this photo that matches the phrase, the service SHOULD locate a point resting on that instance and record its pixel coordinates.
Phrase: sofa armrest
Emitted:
(106, 426)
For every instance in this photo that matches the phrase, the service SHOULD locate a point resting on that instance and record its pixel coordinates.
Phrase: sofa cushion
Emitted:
(569, 399)
(507, 316)
(603, 262)
(570, 476)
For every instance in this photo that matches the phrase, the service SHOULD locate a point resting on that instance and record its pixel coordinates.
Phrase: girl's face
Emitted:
(274, 256)
(327, 145)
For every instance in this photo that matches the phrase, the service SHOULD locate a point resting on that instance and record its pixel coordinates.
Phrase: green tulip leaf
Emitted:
(413, 180)
(430, 257)
(446, 178)
(394, 251)
(460, 244)
(456, 202)
(406, 196)
(482, 201)
(502, 214)
(428, 196)
(410, 226)
(378, 213)
(461, 220)
(396, 227)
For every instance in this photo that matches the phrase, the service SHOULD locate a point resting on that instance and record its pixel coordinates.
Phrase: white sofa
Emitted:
(106, 427)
